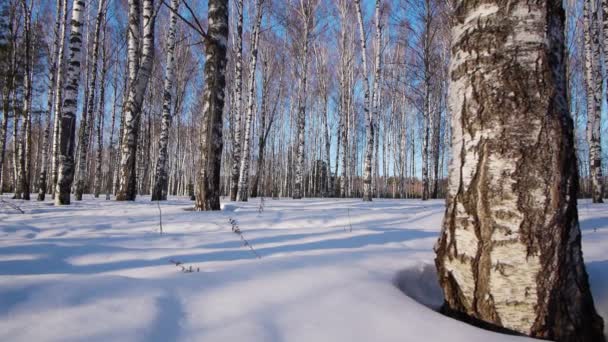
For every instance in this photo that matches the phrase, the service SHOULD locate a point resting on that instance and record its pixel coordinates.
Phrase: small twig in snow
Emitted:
(14, 206)
(183, 268)
(237, 230)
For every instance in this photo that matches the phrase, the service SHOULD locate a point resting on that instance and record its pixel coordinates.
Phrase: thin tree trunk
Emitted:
(301, 119)
(65, 170)
(87, 116)
(238, 93)
(509, 256)
(594, 81)
(100, 119)
(26, 144)
(208, 194)
(139, 75)
(55, 62)
(59, 97)
(159, 193)
(243, 191)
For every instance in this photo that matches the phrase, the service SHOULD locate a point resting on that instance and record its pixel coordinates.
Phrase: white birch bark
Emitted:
(56, 61)
(159, 192)
(58, 98)
(510, 252)
(67, 126)
(237, 96)
(369, 125)
(243, 191)
(140, 67)
(593, 78)
(26, 144)
(301, 119)
(208, 193)
(87, 117)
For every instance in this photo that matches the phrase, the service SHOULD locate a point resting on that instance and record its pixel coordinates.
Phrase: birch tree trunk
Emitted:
(298, 189)
(593, 79)
(238, 91)
(375, 97)
(208, 193)
(26, 144)
(243, 191)
(87, 117)
(159, 193)
(369, 125)
(100, 118)
(139, 75)
(428, 117)
(509, 255)
(67, 126)
(55, 62)
(58, 97)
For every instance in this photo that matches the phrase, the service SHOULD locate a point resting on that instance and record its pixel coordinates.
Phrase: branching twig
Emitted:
(14, 206)
(198, 29)
(237, 230)
(183, 268)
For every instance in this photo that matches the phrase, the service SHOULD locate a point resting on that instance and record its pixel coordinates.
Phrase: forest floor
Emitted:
(330, 270)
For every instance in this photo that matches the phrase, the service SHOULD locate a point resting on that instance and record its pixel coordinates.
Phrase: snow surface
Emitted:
(331, 270)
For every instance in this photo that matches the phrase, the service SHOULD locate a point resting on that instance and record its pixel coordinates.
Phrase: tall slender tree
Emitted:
(237, 101)
(208, 193)
(58, 98)
(87, 115)
(243, 192)
(140, 59)
(306, 13)
(67, 126)
(56, 61)
(593, 81)
(159, 192)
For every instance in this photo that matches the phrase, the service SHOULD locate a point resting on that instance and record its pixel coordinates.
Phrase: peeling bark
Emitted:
(509, 256)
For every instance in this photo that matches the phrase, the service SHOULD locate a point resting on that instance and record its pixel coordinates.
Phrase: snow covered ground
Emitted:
(330, 270)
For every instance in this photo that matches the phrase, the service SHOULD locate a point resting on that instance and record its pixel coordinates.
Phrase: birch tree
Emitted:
(56, 61)
(593, 79)
(101, 116)
(243, 191)
(67, 126)
(140, 59)
(58, 98)
(369, 130)
(208, 193)
(509, 253)
(237, 99)
(159, 193)
(90, 103)
(307, 16)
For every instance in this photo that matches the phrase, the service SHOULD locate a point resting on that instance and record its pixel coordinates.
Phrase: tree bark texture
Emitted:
(140, 67)
(208, 193)
(159, 192)
(67, 126)
(509, 255)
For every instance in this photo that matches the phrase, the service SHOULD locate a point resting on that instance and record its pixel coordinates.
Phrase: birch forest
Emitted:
(320, 98)
(402, 163)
